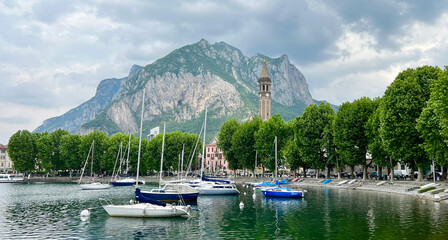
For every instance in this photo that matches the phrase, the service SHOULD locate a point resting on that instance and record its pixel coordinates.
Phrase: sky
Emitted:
(53, 54)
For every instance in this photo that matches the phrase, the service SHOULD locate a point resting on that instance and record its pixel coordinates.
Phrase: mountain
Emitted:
(106, 92)
(180, 85)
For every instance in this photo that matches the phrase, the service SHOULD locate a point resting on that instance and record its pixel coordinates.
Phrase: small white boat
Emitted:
(94, 186)
(206, 188)
(146, 210)
(11, 178)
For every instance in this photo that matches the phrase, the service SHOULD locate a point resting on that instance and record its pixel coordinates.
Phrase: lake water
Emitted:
(52, 211)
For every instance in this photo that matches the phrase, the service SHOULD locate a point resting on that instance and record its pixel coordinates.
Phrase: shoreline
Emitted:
(403, 187)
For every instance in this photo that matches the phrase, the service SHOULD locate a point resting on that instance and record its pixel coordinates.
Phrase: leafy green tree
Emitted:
(401, 106)
(112, 151)
(99, 152)
(309, 130)
(243, 143)
(350, 132)
(45, 151)
(430, 121)
(264, 139)
(225, 136)
(21, 150)
(376, 148)
(69, 150)
(292, 155)
(56, 161)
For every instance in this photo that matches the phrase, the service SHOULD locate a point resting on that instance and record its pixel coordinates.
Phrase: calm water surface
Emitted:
(52, 211)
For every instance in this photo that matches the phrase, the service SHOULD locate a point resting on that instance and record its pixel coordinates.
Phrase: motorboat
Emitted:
(212, 188)
(283, 192)
(11, 178)
(94, 186)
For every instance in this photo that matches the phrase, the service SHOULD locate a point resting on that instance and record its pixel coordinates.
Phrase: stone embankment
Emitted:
(404, 187)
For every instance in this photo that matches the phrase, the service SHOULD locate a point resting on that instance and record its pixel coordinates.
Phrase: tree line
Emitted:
(61, 151)
(408, 125)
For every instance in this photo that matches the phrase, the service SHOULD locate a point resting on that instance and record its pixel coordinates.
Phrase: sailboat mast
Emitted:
(275, 159)
(161, 159)
(203, 145)
(255, 169)
(91, 164)
(140, 141)
(182, 161)
(129, 150)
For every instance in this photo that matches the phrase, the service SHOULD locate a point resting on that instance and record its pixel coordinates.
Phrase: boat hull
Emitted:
(172, 197)
(10, 178)
(282, 194)
(146, 210)
(217, 190)
(94, 186)
(118, 184)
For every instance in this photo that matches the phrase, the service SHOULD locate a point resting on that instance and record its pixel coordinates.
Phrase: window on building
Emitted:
(2, 164)
(264, 87)
(2, 157)
(3, 151)
(267, 88)
(208, 155)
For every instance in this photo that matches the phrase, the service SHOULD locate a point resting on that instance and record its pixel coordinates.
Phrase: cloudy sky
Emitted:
(54, 53)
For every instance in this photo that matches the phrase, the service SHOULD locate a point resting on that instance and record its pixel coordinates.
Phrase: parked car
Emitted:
(374, 175)
(430, 176)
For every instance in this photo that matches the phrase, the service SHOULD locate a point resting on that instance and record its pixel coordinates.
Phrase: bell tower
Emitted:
(264, 93)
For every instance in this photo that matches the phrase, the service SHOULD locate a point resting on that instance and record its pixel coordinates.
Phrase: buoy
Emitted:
(244, 193)
(241, 205)
(85, 213)
(254, 196)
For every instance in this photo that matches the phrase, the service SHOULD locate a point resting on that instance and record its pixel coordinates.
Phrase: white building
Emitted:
(153, 133)
(5, 162)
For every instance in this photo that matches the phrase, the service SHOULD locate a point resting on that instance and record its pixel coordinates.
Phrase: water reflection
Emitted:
(40, 211)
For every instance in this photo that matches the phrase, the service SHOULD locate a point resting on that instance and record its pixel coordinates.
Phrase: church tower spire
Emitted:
(264, 93)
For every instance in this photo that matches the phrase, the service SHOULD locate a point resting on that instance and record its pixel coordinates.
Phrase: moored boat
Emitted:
(283, 192)
(11, 178)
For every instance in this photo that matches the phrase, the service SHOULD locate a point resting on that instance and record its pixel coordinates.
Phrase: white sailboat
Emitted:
(92, 185)
(152, 208)
(127, 181)
(211, 187)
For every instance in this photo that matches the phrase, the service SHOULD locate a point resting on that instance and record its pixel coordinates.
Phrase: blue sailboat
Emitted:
(281, 192)
(169, 192)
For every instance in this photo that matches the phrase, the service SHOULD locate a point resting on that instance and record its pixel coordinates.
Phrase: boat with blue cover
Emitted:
(281, 192)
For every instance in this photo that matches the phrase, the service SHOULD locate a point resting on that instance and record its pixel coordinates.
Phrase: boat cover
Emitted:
(282, 182)
(205, 178)
(265, 184)
(140, 198)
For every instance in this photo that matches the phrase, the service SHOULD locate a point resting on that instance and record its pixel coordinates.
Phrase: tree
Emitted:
(69, 150)
(21, 150)
(243, 145)
(44, 152)
(376, 148)
(401, 106)
(112, 150)
(264, 139)
(56, 161)
(350, 132)
(100, 147)
(310, 130)
(225, 136)
(430, 123)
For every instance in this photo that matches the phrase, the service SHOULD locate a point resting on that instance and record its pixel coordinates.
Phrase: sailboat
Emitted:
(170, 192)
(127, 181)
(145, 207)
(281, 192)
(93, 185)
(212, 187)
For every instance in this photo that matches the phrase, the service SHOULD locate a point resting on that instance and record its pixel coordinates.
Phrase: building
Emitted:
(264, 93)
(6, 164)
(214, 159)
(153, 133)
